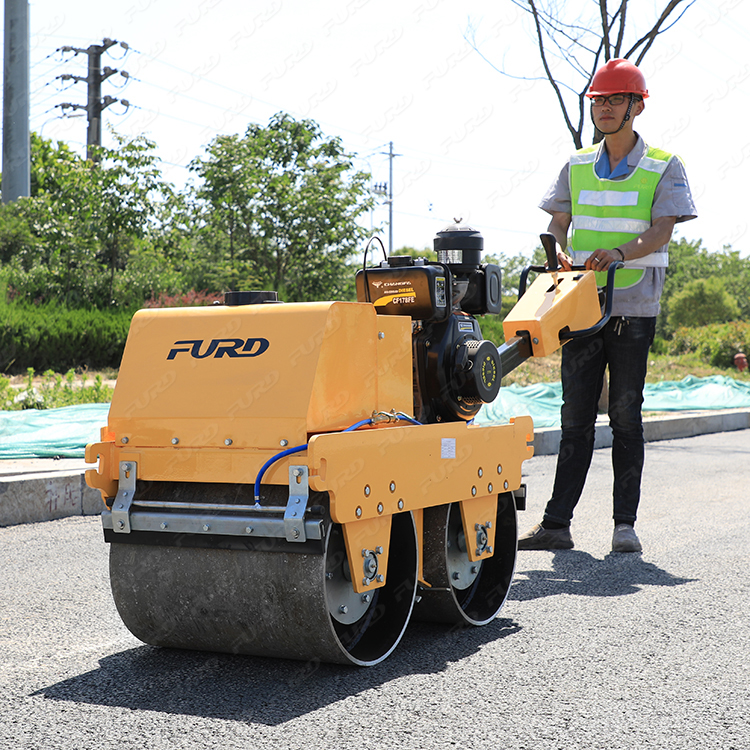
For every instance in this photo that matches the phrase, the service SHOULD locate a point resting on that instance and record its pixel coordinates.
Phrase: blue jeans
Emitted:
(623, 344)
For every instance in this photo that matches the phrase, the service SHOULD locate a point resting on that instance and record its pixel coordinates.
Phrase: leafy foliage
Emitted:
(716, 344)
(53, 391)
(281, 204)
(51, 337)
(701, 302)
(690, 261)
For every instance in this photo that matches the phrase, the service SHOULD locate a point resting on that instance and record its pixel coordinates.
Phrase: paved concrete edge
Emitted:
(679, 425)
(37, 490)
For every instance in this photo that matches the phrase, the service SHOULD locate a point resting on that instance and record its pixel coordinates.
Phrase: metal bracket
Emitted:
(294, 515)
(124, 497)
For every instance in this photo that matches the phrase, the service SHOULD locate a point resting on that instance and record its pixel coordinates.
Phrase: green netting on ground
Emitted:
(65, 432)
(51, 432)
(543, 401)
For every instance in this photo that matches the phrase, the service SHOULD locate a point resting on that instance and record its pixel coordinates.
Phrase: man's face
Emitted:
(608, 112)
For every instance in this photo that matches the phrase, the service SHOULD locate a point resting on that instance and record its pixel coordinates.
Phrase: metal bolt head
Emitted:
(125, 440)
(175, 441)
(392, 487)
(121, 524)
(228, 441)
(283, 443)
(400, 504)
(475, 569)
(489, 487)
(366, 598)
(367, 490)
(499, 469)
(358, 512)
(380, 507)
(206, 527)
(480, 472)
(456, 576)
(162, 525)
(505, 485)
(248, 529)
(380, 578)
(343, 609)
(473, 491)
(378, 550)
(381, 335)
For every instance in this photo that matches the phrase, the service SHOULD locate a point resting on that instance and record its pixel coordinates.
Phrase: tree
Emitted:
(571, 50)
(125, 182)
(688, 262)
(281, 204)
(701, 302)
(71, 240)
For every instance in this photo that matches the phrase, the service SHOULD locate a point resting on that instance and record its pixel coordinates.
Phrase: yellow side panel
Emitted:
(552, 302)
(376, 472)
(394, 374)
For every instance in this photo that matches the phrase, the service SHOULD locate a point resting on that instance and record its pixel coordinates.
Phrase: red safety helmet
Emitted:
(618, 76)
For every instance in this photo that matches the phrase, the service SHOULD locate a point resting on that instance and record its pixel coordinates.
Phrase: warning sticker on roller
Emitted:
(448, 448)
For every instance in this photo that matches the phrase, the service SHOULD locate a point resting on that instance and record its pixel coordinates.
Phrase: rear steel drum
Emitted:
(463, 592)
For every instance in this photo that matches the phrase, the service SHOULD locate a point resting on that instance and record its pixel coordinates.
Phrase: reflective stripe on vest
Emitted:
(608, 213)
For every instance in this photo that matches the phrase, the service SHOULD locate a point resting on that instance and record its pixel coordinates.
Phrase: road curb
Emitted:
(45, 489)
(679, 425)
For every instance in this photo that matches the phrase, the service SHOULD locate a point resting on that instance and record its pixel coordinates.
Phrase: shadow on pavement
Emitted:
(261, 691)
(579, 573)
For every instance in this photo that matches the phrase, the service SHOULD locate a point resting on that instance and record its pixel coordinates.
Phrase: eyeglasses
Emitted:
(614, 100)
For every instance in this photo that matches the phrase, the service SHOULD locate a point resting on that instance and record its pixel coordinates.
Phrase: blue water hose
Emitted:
(300, 448)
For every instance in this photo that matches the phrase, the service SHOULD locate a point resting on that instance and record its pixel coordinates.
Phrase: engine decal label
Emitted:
(400, 297)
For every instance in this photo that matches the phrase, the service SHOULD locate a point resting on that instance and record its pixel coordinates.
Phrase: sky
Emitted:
(471, 142)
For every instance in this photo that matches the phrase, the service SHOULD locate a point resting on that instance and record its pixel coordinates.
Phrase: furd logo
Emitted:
(218, 348)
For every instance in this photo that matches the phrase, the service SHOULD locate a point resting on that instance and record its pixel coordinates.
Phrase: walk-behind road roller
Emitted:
(298, 480)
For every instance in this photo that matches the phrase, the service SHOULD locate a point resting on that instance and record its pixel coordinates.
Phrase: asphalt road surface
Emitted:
(592, 649)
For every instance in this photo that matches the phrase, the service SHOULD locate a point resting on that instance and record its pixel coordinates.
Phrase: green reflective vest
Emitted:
(607, 213)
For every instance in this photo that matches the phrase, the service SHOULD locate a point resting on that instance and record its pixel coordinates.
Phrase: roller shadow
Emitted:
(581, 574)
(261, 691)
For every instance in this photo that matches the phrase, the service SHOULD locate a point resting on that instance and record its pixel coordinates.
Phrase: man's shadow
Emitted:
(579, 573)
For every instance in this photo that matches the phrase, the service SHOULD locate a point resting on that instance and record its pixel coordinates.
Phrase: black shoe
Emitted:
(541, 538)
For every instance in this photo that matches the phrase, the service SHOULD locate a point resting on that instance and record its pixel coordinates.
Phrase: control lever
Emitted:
(549, 243)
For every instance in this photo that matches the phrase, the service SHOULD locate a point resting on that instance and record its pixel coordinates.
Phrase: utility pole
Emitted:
(16, 181)
(387, 190)
(95, 103)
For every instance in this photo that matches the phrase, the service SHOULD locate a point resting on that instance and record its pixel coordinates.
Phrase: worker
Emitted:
(740, 361)
(621, 200)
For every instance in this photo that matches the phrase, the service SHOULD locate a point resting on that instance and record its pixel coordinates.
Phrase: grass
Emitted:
(661, 368)
(52, 390)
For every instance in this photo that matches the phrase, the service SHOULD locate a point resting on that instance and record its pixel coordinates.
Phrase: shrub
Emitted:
(701, 302)
(716, 344)
(50, 337)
